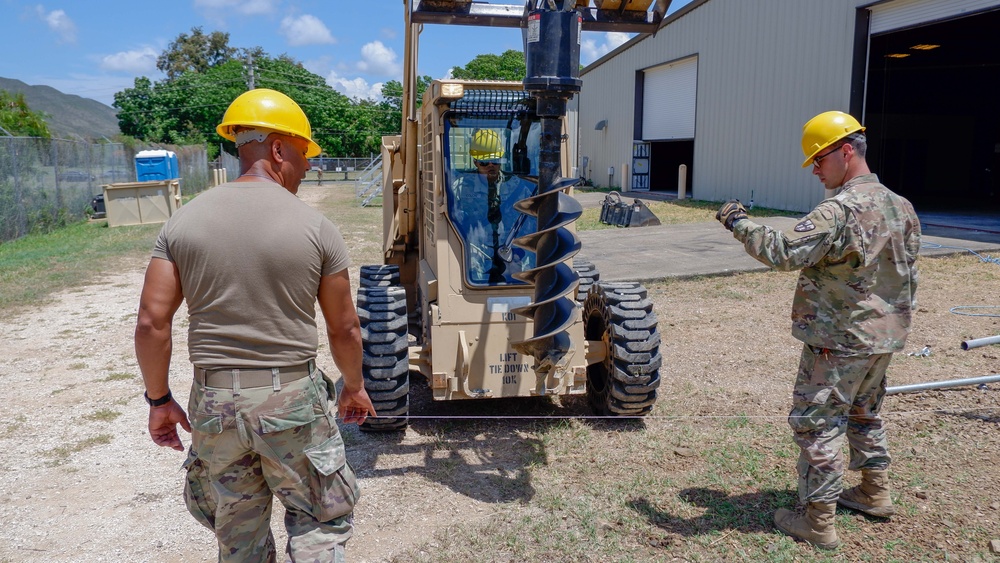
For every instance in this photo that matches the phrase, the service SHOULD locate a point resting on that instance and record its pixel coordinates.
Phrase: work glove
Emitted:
(731, 212)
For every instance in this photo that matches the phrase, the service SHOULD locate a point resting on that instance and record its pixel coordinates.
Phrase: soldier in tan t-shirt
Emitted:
(852, 310)
(251, 261)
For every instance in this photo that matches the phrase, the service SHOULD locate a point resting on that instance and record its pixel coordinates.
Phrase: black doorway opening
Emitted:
(932, 113)
(664, 159)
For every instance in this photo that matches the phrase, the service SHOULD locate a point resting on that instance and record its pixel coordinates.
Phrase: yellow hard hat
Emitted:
(271, 110)
(824, 130)
(485, 145)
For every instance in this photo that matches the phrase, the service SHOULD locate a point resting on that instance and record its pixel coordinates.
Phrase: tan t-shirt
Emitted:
(250, 257)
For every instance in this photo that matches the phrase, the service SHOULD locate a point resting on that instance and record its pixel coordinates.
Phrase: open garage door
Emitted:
(932, 102)
(909, 13)
(668, 117)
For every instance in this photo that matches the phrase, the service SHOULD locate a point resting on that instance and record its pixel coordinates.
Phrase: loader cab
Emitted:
(482, 186)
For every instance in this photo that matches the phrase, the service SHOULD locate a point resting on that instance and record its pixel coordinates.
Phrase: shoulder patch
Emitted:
(805, 226)
(818, 223)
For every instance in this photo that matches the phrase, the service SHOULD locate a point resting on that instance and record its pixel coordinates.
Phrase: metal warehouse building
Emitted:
(726, 85)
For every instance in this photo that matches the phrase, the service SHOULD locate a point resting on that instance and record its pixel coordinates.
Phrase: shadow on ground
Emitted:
(746, 513)
(482, 449)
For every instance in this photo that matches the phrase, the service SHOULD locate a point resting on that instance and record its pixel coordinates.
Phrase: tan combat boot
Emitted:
(812, 524)
(871, 496)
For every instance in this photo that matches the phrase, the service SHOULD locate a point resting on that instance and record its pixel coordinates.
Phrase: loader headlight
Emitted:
(451, 91)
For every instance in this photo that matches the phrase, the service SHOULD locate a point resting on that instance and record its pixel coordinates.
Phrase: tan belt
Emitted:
(252, 377)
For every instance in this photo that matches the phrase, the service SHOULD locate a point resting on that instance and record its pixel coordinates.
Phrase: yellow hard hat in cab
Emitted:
(824, 130)
(267, 109)
(486, 145)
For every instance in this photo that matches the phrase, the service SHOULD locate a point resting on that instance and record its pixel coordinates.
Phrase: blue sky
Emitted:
(95, 48)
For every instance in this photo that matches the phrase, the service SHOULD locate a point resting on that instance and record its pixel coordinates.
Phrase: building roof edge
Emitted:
(628, 44)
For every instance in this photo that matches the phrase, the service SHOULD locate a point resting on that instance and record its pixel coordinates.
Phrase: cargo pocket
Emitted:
(206, 423)
(815, 407)
(292, 417)
(197, 491)
(812, 394)
(334, 484)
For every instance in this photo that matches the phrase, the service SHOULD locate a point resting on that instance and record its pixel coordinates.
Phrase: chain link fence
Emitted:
(47, 183)
(341, 164)
(349, 167)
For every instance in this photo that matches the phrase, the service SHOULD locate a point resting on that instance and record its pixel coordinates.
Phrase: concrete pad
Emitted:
(705, 249)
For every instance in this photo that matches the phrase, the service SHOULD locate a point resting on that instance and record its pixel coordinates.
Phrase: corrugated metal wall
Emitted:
(764, 69)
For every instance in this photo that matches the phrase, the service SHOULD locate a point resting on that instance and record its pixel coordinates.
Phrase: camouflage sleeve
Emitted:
(809, 242)
(913, 237)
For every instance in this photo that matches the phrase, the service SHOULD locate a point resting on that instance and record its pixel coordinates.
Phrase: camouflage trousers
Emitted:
(837, 395)
(250, 445)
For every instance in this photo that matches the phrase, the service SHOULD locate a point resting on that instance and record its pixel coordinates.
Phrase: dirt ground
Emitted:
(81, 481)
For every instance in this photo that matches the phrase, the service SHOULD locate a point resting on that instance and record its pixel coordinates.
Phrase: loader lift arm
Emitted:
(629, 16)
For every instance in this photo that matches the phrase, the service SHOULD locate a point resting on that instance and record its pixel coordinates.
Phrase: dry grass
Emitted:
(537, 479)
(670, 213)
(699, 479)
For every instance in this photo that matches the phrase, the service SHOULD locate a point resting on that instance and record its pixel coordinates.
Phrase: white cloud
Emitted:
(243, 7)
(59, 22)
(355, 88)
(591, 49)
(320, 65)
(305, 30)
(379, 60)
(136, 61)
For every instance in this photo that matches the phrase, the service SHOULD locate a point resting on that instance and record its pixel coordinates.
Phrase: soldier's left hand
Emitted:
(731, 212)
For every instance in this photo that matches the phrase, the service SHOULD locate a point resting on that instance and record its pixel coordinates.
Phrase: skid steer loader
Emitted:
(481, 290)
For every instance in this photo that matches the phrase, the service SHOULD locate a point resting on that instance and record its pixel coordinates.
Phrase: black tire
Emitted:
(626, 381)
(384, 275)
(588, 277)
(385, 358)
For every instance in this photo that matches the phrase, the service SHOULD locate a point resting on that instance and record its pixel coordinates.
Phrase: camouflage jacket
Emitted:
(857, 251)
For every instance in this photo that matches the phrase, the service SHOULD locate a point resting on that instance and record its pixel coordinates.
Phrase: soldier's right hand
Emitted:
(163, 423)
(731, 212)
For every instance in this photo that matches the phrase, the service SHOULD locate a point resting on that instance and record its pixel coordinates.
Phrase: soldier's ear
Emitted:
(276, 150)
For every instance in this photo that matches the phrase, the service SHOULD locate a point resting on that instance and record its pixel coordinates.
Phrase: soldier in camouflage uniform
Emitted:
(251, 260)
(852, 310)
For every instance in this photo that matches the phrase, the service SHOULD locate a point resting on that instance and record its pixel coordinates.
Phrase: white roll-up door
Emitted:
(668, 100)
(908, 13)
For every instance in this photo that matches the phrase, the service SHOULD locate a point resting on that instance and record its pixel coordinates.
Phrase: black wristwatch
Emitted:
(158, 402)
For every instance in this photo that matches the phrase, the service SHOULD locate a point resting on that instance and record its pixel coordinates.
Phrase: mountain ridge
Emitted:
(67, 115)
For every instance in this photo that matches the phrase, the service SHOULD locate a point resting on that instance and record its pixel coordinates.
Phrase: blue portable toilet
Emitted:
(156, 165)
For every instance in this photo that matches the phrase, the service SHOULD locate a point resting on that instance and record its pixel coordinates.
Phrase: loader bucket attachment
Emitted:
(616, 212)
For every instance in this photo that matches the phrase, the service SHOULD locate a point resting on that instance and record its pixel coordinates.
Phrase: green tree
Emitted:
(187, 109)
(508, 66)
(196, 52)
(204, 75)
(392, 92)
(391, 107)
(136, 109)
(18, 119)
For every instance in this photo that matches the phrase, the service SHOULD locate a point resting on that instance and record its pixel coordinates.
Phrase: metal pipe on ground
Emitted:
(942, 384)
(977, 342)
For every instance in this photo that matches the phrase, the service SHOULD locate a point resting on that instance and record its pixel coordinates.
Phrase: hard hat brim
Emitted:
(313, 149)
(809, 159)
